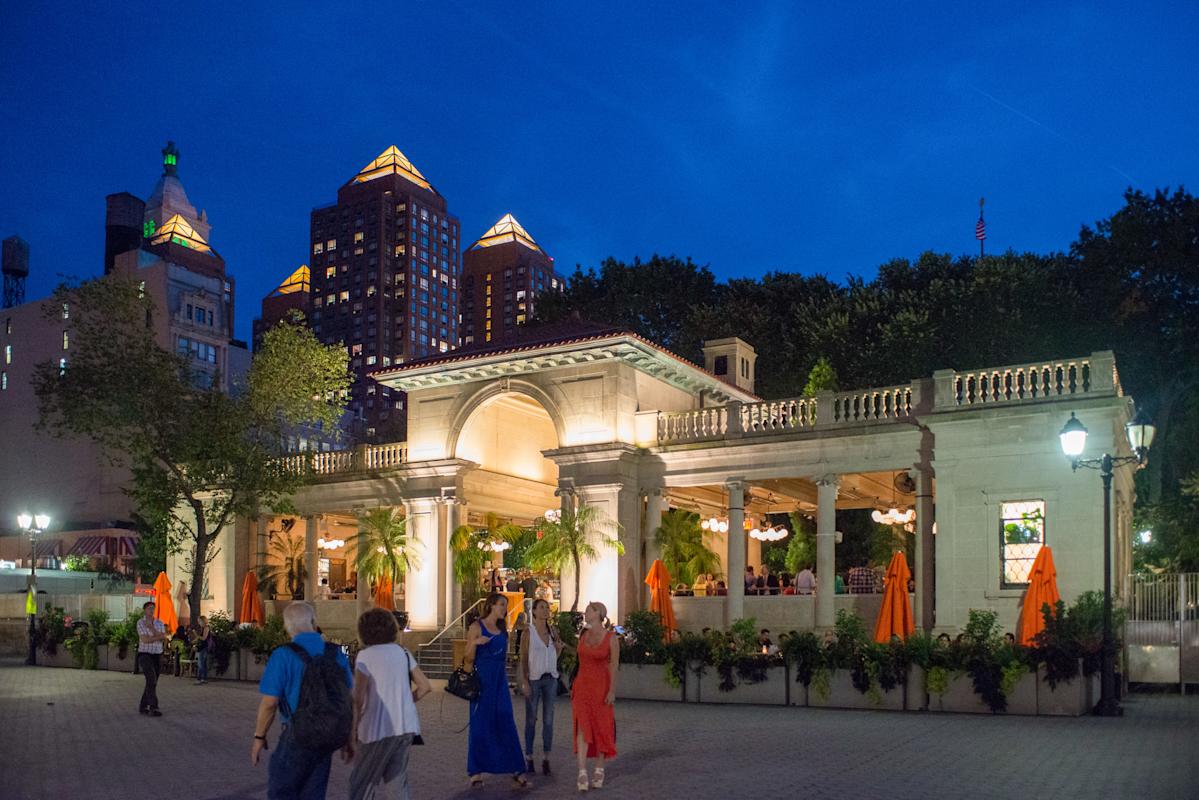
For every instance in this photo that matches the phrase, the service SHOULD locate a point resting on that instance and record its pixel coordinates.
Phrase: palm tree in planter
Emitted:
(385, 551)
(287, 573)
(472, 549)
(565, 539)
(685, 554)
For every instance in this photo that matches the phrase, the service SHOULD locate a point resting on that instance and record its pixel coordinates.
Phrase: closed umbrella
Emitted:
(658, 581)
(164, 606)
(251, 602)
(1042, 589)
(385, 594)
(895, 617)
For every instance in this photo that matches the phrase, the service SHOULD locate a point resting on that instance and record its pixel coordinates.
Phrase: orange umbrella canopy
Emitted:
(251, 602)
(164, 606)
(1042, 589)
(895, 617)
(385, 594)
(658, 581)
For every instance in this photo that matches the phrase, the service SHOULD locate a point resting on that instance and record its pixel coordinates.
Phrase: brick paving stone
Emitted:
(68, 734)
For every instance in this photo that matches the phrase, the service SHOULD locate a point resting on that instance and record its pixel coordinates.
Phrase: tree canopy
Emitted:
(199, 456)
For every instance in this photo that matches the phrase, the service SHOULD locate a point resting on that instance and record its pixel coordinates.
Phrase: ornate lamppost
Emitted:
(33, 524)
(1140, 431)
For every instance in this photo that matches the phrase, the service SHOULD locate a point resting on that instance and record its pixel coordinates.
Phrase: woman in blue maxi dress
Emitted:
(494, 745)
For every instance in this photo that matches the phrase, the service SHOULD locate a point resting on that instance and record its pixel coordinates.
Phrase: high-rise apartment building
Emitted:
(385, 269)
(294, 294)
(502, 274)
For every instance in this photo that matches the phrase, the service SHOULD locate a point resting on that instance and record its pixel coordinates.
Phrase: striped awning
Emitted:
(48, 547)
(103, 546)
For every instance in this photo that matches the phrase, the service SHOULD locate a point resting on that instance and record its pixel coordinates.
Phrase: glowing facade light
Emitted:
(24, 521)
(332, 544)
(893, 516)
(1073, 437)
(770, 534)
(715, 525)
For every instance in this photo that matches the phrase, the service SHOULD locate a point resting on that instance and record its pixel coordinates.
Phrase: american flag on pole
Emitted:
(980, 228)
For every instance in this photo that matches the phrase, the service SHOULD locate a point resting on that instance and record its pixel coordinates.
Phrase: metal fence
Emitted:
(1161, 633)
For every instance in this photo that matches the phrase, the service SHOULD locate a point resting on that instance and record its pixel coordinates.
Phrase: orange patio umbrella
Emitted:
(251, 602)
(385, 594)
(1042, 589)
(164, 606)
(658, 581)
(895, 617)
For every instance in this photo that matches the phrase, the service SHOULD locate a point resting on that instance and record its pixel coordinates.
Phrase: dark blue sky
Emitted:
(750, 137)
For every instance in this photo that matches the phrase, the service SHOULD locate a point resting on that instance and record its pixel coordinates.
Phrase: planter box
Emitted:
(772, 691)
(102, 656)
(915, 695)
(252, 666)
(961, 698)
(61, 658)
(842, 694)
(1069, 699)
(115, 664)
(645, 682)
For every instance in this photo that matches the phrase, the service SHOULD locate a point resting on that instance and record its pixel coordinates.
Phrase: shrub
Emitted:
(123, 635)
(644, 639)
(803, 652)
(265, 639)
(688, 648)
(53, 630)
(225, 640)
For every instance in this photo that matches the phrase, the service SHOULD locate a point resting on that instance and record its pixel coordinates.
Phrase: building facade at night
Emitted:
(294, 294)
(384, 275)
(502, 274)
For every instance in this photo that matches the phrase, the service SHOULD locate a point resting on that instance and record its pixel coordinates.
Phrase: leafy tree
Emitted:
(198, 456)
(150, 550)
(801, 546)
(685, 554)
(384, 550)
(566, 540)
(822, 378)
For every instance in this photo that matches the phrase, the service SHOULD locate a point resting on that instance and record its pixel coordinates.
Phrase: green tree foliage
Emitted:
(384, 549)
(685, 553)
(822, 378)
(470, 546)
(801, 545)
(198, 456)
(285, 572)
(571, 538)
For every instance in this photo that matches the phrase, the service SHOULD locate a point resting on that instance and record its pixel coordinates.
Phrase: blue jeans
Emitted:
(202, 663)
(545, 691)
(295, 773)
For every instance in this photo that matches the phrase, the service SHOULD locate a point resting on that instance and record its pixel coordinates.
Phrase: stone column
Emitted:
(655, 506)
(567, 579)
(923, 569)
(611, 578)
(734, 607)
(311, 557)
(453, 592)
(262, 528)
(421, 599)
(826, 550)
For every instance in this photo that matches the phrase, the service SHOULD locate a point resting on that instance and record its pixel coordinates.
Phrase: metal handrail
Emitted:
(458, 619)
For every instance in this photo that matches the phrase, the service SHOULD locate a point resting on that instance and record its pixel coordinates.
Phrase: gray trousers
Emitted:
(386, 762)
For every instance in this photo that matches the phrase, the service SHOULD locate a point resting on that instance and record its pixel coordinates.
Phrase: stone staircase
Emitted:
(437, 658)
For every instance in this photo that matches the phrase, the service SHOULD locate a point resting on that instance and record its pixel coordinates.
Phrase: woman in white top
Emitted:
(539, 682)
(387, 684)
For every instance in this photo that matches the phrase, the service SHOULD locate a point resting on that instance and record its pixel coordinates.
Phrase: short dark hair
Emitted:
(377, 626)
(147, 604)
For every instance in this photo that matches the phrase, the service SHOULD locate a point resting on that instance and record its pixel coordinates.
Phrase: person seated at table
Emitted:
(838, 584)
(944, 639)
(682, 591)
(770, 581)
(700, 587)
(751, 580)
(861, 579)
(766, 644)
(709, 585)
(805, 581)
(721, 589)
(788, 585)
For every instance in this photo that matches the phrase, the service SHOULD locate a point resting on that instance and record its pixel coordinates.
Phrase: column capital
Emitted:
(829, 479)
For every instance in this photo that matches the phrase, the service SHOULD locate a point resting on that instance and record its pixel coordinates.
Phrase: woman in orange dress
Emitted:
(593, 696)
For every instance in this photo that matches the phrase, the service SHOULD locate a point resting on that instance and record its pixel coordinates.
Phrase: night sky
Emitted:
(751, 137)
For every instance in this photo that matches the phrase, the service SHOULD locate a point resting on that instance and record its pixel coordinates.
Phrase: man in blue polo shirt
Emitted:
(294, 772)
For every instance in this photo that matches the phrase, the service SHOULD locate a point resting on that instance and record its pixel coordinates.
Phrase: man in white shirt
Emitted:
(151, 633)
(805, 581)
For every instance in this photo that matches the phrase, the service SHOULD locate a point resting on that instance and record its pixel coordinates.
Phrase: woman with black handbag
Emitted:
(494, 745)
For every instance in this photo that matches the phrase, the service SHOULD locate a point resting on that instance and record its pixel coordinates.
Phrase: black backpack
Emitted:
(325, 717)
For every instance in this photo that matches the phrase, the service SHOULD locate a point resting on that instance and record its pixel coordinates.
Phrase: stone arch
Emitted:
(493, 391)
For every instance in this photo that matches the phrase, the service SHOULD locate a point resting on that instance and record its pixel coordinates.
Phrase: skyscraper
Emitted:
(502, 274)
(385, 280)
(294, 294)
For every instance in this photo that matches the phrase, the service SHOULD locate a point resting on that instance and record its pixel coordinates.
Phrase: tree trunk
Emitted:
(574, 609)
(199, 561)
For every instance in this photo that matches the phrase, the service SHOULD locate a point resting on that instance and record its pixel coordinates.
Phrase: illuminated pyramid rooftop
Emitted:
(392, 161)
(178, 231)
(298, 281)
(504, 231)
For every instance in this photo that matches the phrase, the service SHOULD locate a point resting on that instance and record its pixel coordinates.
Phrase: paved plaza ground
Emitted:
(73, 734)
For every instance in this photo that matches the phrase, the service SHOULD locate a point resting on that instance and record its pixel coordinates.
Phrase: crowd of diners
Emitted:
(862, 579)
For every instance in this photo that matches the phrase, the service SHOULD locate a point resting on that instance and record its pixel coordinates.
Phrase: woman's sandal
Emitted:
(597, 782)
(476, 781)
(583, 783)
(520, 781)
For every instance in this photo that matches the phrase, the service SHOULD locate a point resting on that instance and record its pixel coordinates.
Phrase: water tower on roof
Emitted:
(16, 269)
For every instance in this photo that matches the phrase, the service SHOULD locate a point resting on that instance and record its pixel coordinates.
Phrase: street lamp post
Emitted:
(33, 524)
(1073, 437)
